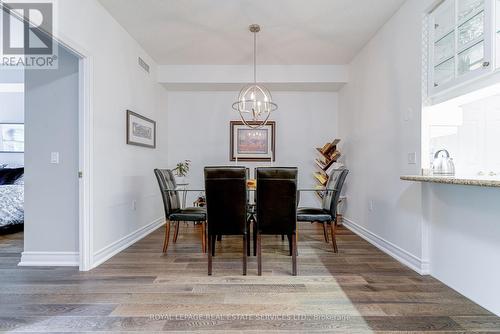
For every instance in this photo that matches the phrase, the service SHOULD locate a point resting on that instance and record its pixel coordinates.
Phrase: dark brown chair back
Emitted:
(226, 193)
(330, 185)
(166, 181)
(277, 200)
(335, 193)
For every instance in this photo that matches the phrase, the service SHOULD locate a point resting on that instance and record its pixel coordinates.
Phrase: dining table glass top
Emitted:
(252, 187)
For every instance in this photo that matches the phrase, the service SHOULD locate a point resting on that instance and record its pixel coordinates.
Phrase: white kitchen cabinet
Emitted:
(462, 37)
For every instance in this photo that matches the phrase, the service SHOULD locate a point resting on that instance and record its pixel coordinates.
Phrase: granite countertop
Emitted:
(480, 181)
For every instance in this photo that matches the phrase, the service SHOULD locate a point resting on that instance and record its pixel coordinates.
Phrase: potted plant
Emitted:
(181, 171)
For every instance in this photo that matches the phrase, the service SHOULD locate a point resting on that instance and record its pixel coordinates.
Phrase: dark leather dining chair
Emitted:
(172, 207)
(327, 214)
(277, 208)
(226, 193)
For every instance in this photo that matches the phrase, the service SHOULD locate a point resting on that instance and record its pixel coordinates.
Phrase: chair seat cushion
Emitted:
(189, 214)
(313, 215)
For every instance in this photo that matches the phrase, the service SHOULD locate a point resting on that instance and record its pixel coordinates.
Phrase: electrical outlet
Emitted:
(408, 115)
(371, 205)
(412, 158)
(134, 205)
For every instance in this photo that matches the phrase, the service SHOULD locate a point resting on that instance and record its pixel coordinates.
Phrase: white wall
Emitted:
(51, 190)
(121, 173)
(11, 108)
(452, 232)
(198, 130)
(380, 131)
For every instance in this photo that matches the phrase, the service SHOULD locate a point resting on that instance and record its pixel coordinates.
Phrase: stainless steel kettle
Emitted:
(443, 164)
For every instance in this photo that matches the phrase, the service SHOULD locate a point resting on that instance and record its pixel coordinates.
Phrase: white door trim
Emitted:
(86, 149)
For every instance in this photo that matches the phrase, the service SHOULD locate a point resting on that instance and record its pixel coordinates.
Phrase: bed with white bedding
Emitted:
(12, 205)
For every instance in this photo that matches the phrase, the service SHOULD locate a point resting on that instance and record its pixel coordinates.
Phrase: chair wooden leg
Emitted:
(203, 238)
(210, 255)
(290, 249)
(254, 232)
(214, 238)
(259, 254)
(333, 227)
(325, 233)
(247, 246)
(294, 255)
(219, 237)
(245, 242)
(282, 237)
(176, 231)
(167, 236)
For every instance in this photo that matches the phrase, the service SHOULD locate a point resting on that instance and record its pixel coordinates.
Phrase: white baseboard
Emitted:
(403, 256)
(116, 247)
(49, 259)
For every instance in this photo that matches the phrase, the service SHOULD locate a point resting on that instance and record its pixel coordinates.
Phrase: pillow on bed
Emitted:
(10, 175)
(12, 165)
(19, 181)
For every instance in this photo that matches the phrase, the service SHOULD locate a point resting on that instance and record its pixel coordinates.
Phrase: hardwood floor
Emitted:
(358, 290)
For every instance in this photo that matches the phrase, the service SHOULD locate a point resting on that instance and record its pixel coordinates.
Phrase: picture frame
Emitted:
(11, 137)
(257, 145)
(141, 131)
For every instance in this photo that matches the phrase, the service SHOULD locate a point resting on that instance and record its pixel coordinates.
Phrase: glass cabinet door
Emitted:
(470, 36)
(444, 43)
(471, 59)
(471, 30)
(461, 41)
(468, 8)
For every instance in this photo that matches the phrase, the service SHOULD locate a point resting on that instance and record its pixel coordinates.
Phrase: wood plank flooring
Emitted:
(359, 290)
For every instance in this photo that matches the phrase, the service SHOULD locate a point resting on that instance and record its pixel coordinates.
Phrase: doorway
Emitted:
(58, 135)
(11, 163)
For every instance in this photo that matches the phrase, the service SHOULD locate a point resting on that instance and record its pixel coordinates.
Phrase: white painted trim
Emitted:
(49, 259)
(403, 256)
(86, 140)
(86, 148)
(109, 251)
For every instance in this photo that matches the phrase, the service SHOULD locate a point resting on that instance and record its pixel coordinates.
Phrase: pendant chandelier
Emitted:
(255, 103)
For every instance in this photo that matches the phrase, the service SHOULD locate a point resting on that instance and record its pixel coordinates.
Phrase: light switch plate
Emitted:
(408, 115)
(54, 157)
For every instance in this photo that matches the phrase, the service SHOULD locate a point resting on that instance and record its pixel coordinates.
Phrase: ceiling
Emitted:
(294, 32)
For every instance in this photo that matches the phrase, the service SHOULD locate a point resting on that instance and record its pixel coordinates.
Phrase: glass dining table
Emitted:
(320, 191)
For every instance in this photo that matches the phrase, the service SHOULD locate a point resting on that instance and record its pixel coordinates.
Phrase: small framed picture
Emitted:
(247, 144)
(141, 131)
(11, 138)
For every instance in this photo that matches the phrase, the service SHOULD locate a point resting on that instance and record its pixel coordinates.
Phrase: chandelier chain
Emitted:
(255, 57)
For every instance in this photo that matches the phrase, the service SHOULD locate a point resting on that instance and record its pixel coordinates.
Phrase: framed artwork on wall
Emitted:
(141, 131)
(248, 144)
(11, 138)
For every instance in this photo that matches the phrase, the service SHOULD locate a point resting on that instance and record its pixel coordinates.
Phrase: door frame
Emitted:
(85, 145)
(86, 149)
